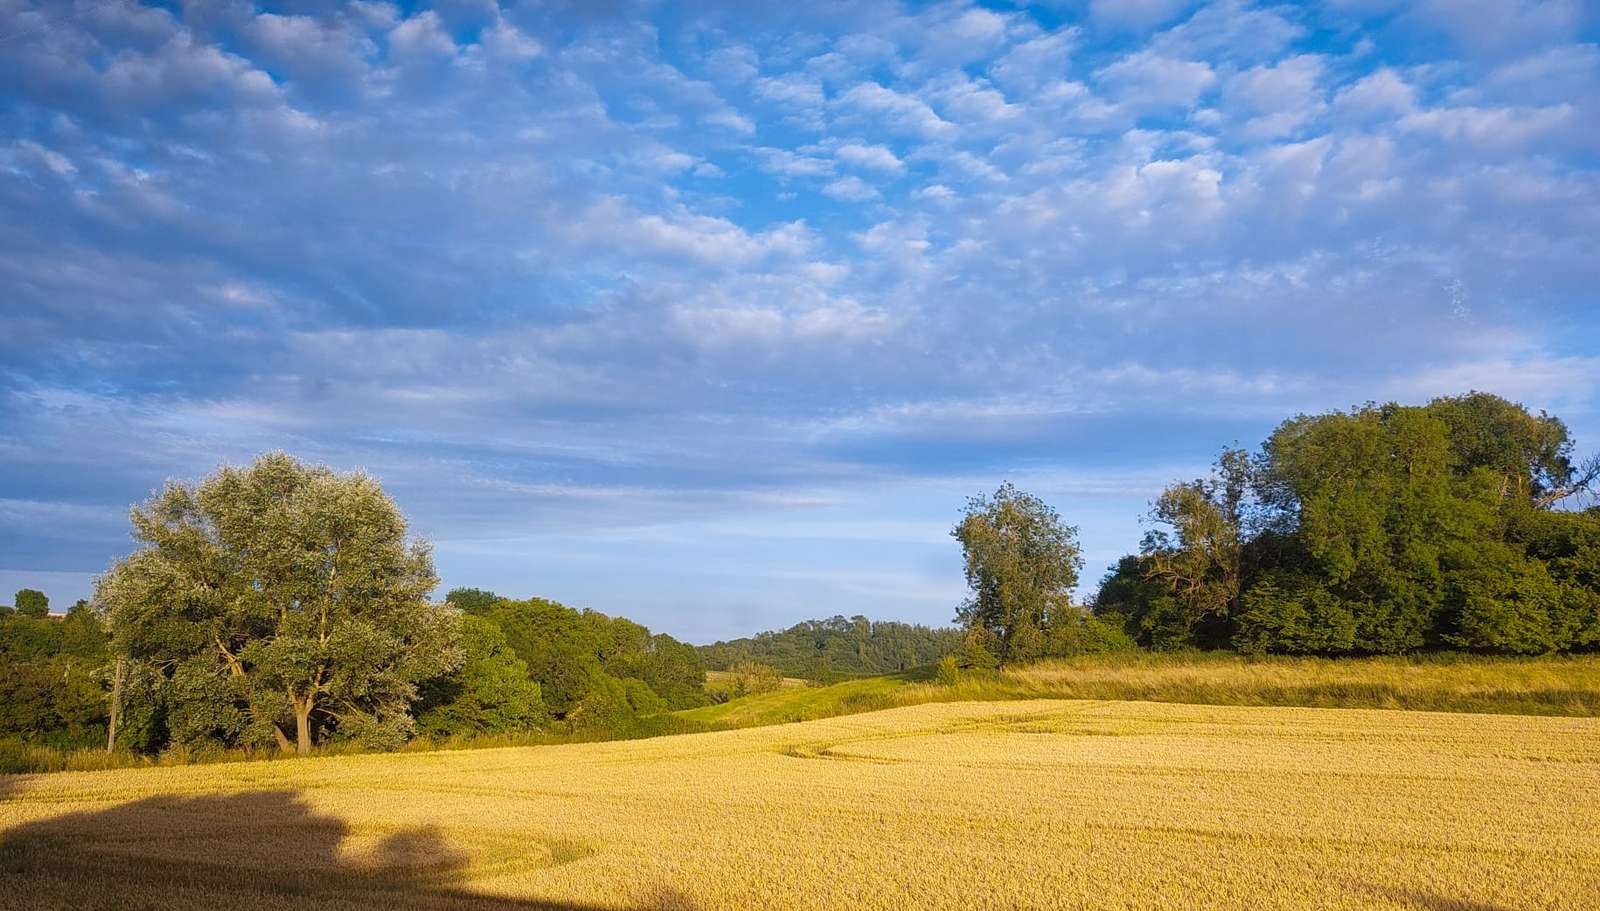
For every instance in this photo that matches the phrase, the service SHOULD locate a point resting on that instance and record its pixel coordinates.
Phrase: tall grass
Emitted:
(1442, 683)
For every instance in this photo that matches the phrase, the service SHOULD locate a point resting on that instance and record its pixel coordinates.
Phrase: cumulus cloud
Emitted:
(1147, 81)
(870, 157)
(901, 112)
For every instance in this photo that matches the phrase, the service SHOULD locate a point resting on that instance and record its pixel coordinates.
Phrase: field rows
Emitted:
(1037, 804)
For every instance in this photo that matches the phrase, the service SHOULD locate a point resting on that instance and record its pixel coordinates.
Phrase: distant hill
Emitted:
(837, 646)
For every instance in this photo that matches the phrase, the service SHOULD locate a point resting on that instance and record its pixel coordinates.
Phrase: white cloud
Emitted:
(1035, 63)
(735, 63)
(1278, 99)
(901, 113)
(420, 38)
(871, 157)
(1379, 94)
(850, 189)
(1146, 81)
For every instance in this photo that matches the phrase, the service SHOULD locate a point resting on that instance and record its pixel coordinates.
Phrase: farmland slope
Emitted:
(975, 805)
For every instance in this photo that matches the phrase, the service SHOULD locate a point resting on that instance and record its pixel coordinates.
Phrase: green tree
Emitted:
(562, 652)
(1283, 612)
(279, 594)
(30, 602)
(472, 600)
(1021, 564)
(1199, 563)
(490, 692)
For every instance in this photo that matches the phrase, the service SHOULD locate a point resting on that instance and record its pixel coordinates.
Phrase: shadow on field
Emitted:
(263, 849)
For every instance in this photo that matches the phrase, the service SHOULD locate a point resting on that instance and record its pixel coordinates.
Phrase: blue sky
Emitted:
(712, 315)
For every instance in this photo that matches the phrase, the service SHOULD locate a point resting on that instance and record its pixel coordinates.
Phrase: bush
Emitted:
(1075, 631)
(948, 672)
(1288, 614)
(750, 678)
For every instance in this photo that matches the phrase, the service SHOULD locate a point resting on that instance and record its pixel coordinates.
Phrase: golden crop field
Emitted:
(1033, 804)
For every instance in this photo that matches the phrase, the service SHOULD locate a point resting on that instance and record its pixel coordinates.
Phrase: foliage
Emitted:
(472, 600)
(279, 595)
(51, 688)
(490, 693)
(1077, 631)
(748, 678)
(822, 650)
(1381, 530)
(1021, 563)
(30, 602)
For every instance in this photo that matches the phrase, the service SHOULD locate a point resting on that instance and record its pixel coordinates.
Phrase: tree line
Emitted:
(822, 651)
(282, 605)
(1379, 530)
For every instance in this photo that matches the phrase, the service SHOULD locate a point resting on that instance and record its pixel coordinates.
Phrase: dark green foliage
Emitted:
(826, 650)
(1284, 612)
(30, 602)
(1076, 631)
(573, 654)
(618, 707)
(1381, 530)
(472, 600)
(51, 677)
(490, 693)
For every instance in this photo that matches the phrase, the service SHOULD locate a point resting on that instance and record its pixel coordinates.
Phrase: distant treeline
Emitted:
(823, 650)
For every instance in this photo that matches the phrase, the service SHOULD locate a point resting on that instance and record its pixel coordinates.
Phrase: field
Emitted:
(1023, 804)
(1525, 686)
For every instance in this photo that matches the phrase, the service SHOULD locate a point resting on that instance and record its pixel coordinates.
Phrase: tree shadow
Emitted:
(250, 850)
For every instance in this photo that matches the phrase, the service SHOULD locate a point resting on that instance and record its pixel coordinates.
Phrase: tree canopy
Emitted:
(823, 649)
(278, 597)
(1383, 529)
(1021, 563)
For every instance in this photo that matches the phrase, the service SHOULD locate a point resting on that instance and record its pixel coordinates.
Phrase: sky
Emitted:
(713, 315)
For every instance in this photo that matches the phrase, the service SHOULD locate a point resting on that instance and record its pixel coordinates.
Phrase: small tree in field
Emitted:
(275, 597)
(1022, 563)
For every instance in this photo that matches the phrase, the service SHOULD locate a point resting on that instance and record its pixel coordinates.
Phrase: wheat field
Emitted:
(1031, 804)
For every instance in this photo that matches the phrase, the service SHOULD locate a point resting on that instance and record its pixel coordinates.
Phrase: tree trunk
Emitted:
(116, 704)
(302, 725)
(283, 741)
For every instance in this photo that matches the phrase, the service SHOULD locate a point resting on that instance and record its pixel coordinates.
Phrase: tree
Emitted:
(472, 600)
(1021, 564)
(490, 692)
(1200, 562)
(30, 602)
(1382, 529)
(279, 594)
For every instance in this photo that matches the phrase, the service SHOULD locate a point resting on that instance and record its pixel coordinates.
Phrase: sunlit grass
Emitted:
(1528, 686)
(1024, 804)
